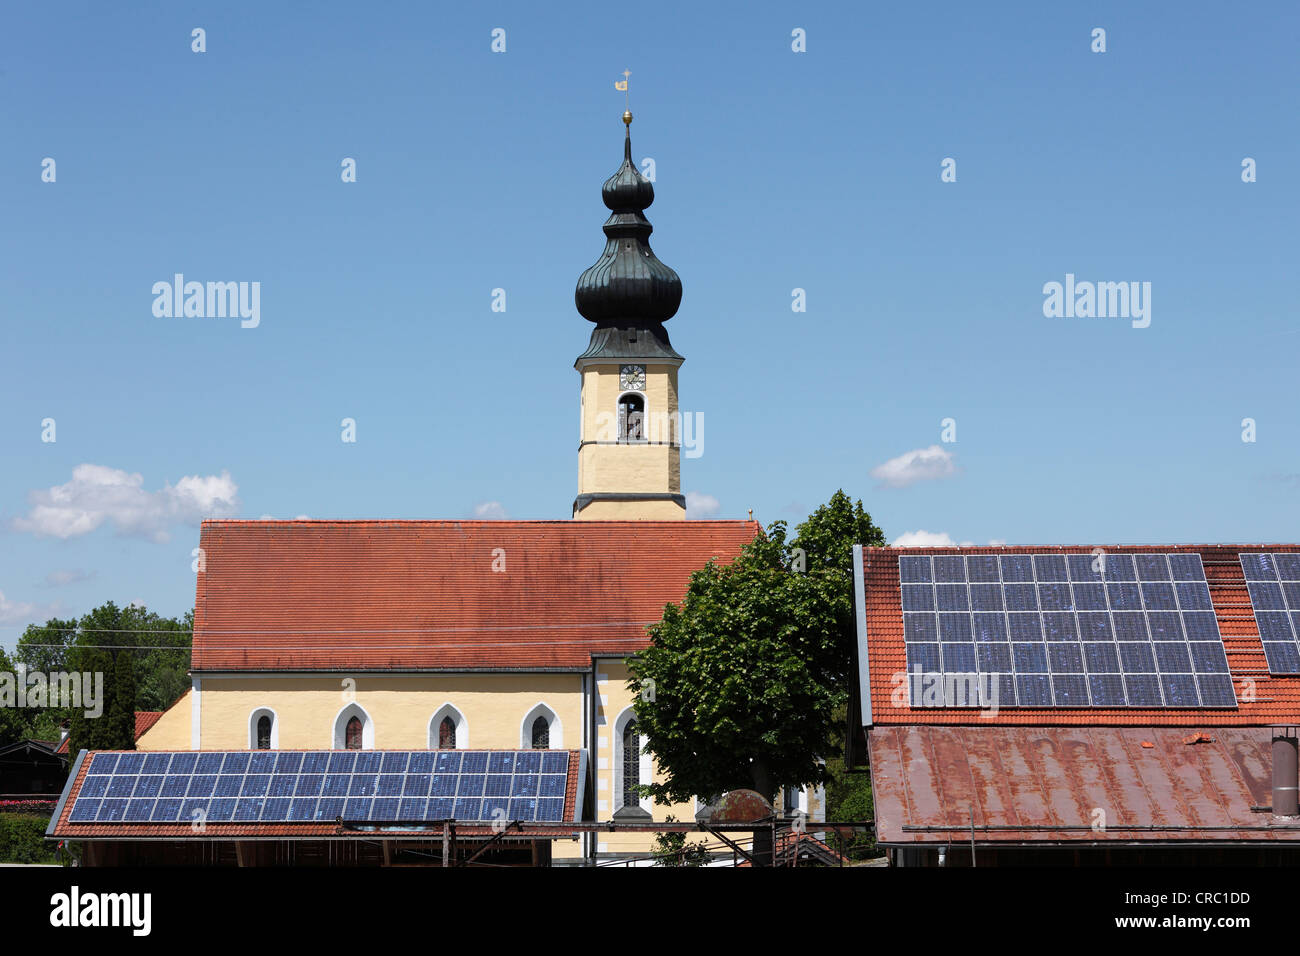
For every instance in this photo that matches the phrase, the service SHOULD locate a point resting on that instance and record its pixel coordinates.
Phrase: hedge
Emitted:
(22, 839)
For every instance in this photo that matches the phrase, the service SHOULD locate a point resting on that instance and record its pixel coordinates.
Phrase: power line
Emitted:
(577, 625)
(307, 646)
(111, 630)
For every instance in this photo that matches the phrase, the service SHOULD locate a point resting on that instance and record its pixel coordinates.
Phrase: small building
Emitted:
(32, 770)
(1081, 705)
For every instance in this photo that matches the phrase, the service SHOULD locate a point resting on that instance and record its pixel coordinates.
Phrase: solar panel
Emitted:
(1076, 630)
(321, 786)
(1273, 582)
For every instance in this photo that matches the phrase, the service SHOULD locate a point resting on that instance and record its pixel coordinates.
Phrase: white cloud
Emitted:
(926, 539)
(490, 511)
(22, 612)
(920, 464)
(937, 539)
(274, 518)
(98, 494)
(62, 577)
(699, 505)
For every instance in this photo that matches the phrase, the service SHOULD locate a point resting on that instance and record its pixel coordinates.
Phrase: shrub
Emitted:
(22, 839)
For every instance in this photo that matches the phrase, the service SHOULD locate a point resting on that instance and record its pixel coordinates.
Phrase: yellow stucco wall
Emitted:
(651, 467)
(632, 511)
(611, 707)
(493, 706)
(601, 389)
(172, 731)
(400, 705)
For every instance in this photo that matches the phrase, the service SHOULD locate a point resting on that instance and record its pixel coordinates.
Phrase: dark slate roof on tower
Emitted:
(628, 287)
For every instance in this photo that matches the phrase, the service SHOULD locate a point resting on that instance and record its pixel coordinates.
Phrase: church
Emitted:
(455, 649)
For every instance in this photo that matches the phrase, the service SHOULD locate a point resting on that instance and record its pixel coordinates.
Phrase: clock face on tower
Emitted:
(632, 377)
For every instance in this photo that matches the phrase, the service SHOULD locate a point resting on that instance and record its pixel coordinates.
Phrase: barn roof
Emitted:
(1262, 699)
(182, 814)
(940, 785)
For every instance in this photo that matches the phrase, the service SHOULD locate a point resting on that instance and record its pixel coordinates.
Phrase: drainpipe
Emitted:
(1286, 798)
(593, 762)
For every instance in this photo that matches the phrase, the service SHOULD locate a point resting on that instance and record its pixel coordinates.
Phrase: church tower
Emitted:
(629, 449)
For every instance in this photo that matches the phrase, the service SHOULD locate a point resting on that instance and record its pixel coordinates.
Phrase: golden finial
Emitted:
(627, 117)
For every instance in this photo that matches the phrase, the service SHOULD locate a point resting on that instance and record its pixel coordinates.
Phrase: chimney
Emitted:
(63, 731)
(1285, 802)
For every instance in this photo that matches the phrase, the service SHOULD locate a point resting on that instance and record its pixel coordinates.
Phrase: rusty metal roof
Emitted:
(1073, 785)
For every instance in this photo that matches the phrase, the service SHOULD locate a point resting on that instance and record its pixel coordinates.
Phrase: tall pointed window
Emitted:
(354, 734)
(541, 734)
(631, 765)
(631, 418)
(264, 732)
(447, 734)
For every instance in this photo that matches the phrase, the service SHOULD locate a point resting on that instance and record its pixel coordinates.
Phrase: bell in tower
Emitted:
(629, 451)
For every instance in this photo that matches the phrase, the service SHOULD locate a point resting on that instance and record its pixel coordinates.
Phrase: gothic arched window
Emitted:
(264, 732)
(447, 734)
(354, 734)
(631, 765)
(541, 734)
(631, 418)
(790, 800)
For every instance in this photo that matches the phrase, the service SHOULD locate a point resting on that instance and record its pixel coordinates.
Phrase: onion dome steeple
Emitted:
(628, 289)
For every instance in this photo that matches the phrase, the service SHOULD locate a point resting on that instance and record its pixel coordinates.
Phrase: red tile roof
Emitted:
(1277, 699)
(810, 848)
(63, 829)
(1023, 781)
(441, 595)
(144, 719)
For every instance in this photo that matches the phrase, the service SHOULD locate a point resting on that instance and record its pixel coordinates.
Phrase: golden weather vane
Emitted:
(627, 109)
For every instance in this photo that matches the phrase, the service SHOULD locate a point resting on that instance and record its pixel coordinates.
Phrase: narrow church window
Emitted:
(631, 765)
(354, 734)
(790, 800)
(447, 734)
(631, 418)
(541, 734)
(264, 732)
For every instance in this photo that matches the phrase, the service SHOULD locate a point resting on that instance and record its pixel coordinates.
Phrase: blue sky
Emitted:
(775, 170)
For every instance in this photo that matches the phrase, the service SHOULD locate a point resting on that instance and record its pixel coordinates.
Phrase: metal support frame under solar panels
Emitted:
(1062, 630)
(1273, 580)
(274, 786)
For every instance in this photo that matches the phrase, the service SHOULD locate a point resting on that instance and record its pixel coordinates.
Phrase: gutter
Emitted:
(860, 613)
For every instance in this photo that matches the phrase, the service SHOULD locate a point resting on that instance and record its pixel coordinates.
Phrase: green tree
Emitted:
(848, 798)
(46, 648)
(162, 665)
(742, 681)
(15, 724)
(121, 717)
(672, 849)
(94, 653)
(829, 534)
(142, 659)
(86, 732)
